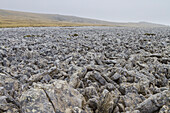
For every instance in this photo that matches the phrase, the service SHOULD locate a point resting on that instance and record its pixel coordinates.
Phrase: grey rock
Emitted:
(116, 76)
(82, 72)
(3, 104)
(10, 84)
(154, 102)
(36, 100)
(165, 109)
(107, 103)
(121, 107)
(93, 103)
(90, 92)
(164, 60)
(132, 99)
(99, 78)
(109, 61)
(110, 87)
(54, 97)
(156, 55)
(116, 110)
(115, 69)
(74, 80)
(127, 88)
(78, 110)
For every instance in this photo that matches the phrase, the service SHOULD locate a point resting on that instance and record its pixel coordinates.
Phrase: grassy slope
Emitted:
(24, 19)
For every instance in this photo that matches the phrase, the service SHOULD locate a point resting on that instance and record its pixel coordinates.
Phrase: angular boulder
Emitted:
(54, 97)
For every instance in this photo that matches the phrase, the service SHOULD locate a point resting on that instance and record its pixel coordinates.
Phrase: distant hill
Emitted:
(24, 19)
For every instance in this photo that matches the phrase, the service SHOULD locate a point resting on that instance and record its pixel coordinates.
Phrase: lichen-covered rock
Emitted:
(165, 109)
(36, 100)
(93, 103)
(74, 80)
(54, 97)
(121, 107)
(154, 102)
(107, 102)
(143, 86)
(9, 90)
(9, 83)
(3, 104)
(132, 99)
(90, 92)
(7, 103)
(81, 72)
(127, 88)
(99, 78)
(116, 76)
(78, 110)
(84, 69)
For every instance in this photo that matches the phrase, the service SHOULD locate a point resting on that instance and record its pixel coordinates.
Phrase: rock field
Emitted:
(84, 70)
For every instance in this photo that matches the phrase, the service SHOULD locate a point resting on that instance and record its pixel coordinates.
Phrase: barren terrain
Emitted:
(84, 70)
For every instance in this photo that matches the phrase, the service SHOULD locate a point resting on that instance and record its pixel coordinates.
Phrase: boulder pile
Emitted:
(84, 70)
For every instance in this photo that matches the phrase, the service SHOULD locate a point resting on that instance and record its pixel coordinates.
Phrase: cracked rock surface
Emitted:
(84, 70)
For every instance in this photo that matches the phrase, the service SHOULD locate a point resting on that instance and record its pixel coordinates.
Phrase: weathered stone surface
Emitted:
(9, 90)
(132, 99)
(7, 103)
(84, 69)
(127, 88)
(3, 104)
(99, 78)
(74, 80)
(121, 107)
(143, 86)
(154, 102)
(93, 103)
(53, 97)
(36, 100)
(107, 102)
(90, 92)
(116, 76)
(165, 109)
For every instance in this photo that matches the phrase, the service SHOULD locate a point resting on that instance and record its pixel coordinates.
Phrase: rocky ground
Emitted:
(84, 70)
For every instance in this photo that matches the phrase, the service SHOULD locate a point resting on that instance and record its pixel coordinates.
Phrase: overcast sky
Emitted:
(157, 11)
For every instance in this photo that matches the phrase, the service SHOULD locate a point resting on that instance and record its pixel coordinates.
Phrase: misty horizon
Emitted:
(154, 11)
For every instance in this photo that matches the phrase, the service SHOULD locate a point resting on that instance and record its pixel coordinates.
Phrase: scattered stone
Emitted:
(84, 70)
